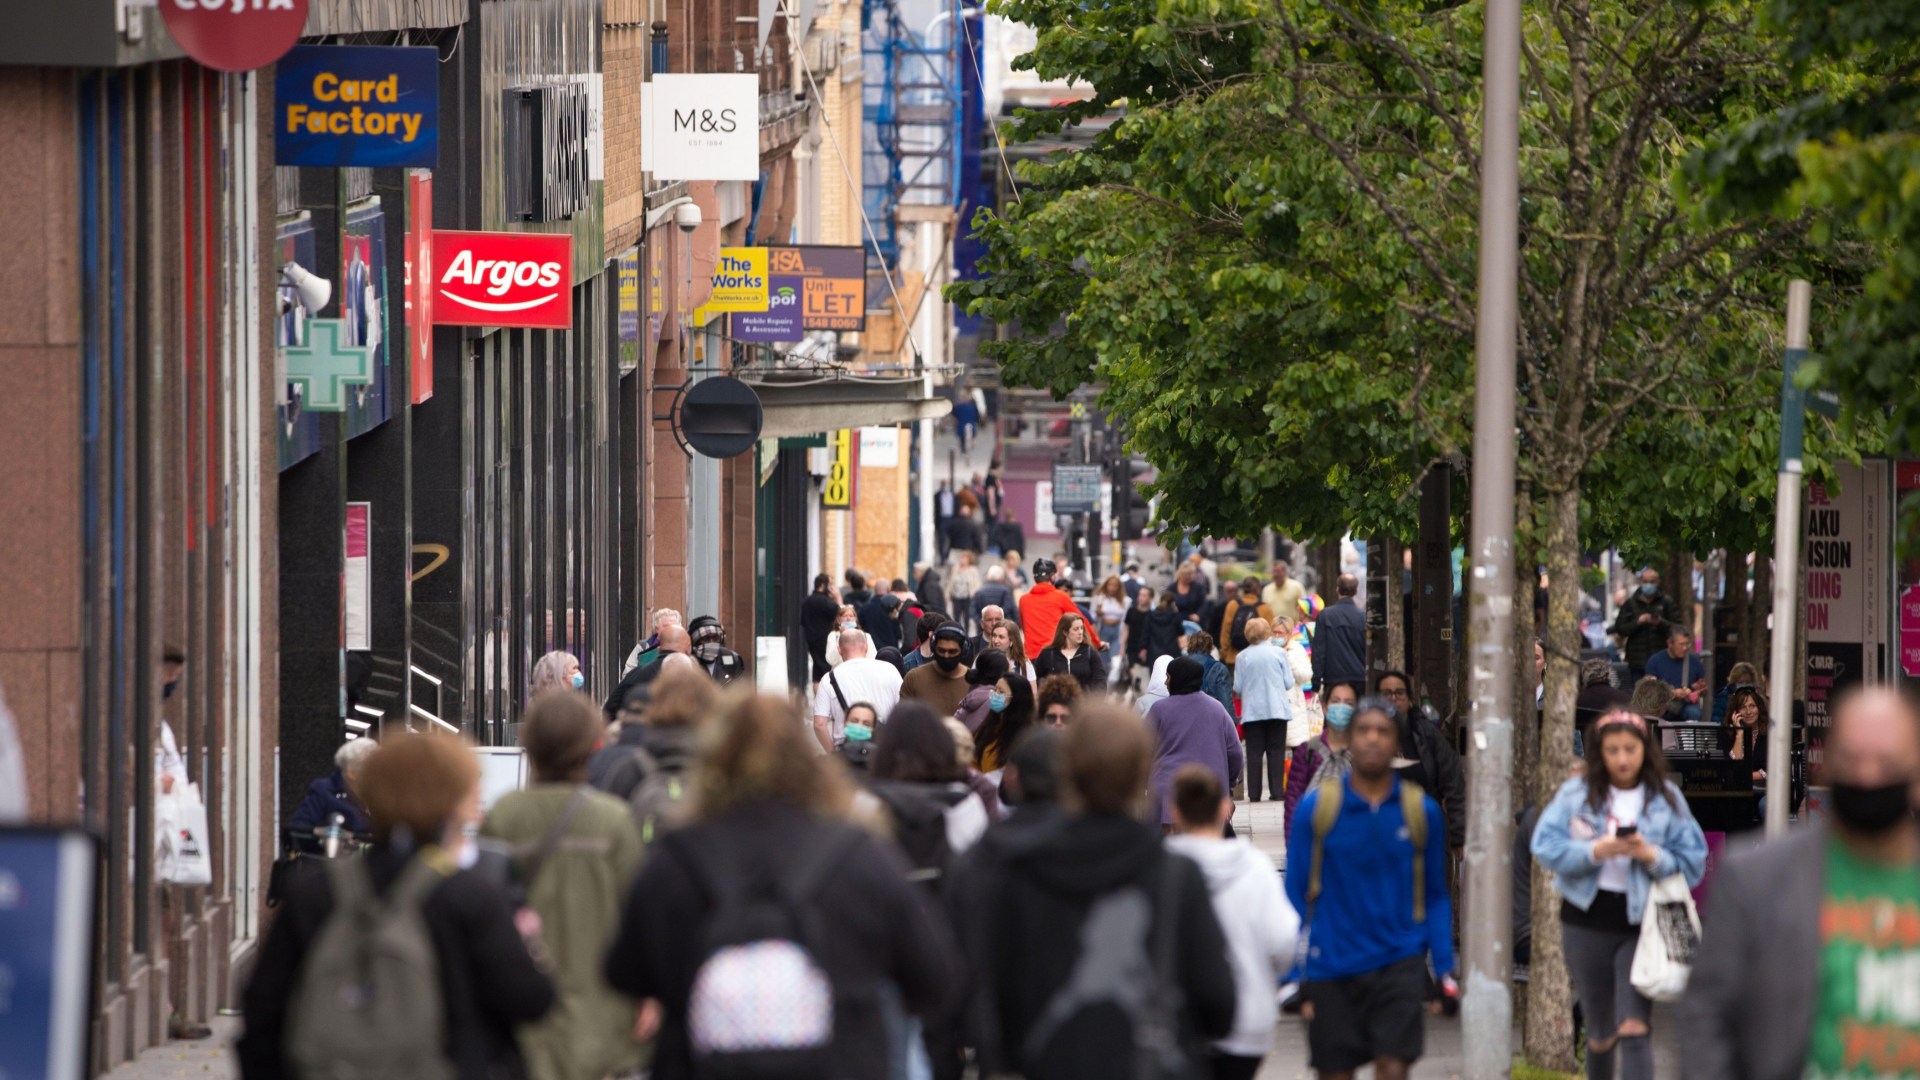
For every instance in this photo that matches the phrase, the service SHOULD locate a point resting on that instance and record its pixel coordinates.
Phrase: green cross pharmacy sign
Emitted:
(325, 365)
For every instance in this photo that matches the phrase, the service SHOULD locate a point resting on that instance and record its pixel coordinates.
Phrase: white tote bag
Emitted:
(1669, 935)
(182, 818)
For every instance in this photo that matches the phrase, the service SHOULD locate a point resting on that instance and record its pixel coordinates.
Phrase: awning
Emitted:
(804, 401)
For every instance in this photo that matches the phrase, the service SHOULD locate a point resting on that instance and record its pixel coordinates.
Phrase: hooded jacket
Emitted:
(1260, 927)
(1163, 633)
(1022, 915)
(1040, 612)
(1190, 728)
(1435, 767)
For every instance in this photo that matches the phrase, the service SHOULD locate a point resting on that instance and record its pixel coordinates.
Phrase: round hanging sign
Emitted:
(235, 35)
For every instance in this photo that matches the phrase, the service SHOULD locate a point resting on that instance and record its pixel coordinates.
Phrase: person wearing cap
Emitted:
(943, 683)
(1041, 608)
(710, 649)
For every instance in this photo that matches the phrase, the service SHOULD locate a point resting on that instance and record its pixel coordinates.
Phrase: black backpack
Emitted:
(1242, 615)
(1128, 964)
(761, 1006)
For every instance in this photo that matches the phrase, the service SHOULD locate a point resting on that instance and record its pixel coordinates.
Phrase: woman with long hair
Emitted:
(1008, 638)
(1072, 654)
(1608, 836)
(994, 741)
(771, 814)
(1743, 737)
(558, 670)
(848, 618)
(1110, 606)
(1739, 675)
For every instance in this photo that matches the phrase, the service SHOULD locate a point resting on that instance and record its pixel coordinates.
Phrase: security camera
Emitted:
(313, 290)
(687, 216)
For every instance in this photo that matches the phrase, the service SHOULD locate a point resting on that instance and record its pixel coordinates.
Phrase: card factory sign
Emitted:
(357, 105)
(503, 279)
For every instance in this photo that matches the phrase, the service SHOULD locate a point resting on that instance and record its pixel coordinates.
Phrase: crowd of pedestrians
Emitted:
(947, 858)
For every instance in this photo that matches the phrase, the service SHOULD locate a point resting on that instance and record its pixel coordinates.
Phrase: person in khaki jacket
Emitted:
(575, 851)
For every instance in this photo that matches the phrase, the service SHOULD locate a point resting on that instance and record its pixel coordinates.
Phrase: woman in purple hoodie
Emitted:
(1190, 728)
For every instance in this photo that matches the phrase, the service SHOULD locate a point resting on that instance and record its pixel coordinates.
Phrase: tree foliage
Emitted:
(1268, 263)
(1844, 152)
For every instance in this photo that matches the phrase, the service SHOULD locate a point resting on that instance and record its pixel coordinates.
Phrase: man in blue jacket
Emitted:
(1373, 888)
(1340, 638)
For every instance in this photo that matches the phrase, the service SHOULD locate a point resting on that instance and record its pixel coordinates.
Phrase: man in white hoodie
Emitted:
(1259, 923)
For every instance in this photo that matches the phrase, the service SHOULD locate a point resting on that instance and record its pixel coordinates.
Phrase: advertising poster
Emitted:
(358, 576)
(834, 284)
(739, 282)
(1847, 552)
(419, 284)
(780, 322)
(362, 304)
(628, 299)
(298, 431)
(47, 903)
(357, 105)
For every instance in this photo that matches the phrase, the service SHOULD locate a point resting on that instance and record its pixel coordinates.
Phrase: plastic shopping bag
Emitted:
(1669, 935)
(184, 858)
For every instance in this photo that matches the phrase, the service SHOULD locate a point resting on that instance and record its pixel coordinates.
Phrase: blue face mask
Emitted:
(1646, 588)
(997, 702)
(1339, 715)
(579, 680)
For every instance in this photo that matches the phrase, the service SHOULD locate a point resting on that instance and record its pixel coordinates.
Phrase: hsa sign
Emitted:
(503, 279)
(357, 105)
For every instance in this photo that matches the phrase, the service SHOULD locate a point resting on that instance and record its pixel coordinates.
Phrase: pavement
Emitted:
(1262, 823)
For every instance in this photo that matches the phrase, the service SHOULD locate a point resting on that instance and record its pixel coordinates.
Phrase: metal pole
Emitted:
(1487, 998)
(1786, 554)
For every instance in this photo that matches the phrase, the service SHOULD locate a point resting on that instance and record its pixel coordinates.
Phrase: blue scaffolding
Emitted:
(912, 110)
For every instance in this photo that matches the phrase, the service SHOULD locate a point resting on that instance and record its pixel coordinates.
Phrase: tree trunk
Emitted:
(1549, 1029)
(1326, 568)
(1735, 571)
(1677, 581)
(1759, 612)
(1397, 611)
(1526, 735)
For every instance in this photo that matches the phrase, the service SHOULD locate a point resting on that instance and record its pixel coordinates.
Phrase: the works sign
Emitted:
(547, 166)
(357, 105)
(503, 279)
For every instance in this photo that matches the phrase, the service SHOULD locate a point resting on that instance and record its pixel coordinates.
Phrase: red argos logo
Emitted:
(503, 279)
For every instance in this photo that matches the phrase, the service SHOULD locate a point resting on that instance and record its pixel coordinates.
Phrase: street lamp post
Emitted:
(1487, 1000)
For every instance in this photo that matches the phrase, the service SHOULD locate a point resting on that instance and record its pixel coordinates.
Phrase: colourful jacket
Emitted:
(1040, 612)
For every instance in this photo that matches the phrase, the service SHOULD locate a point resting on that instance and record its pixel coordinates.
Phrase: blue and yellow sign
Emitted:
(357, 105)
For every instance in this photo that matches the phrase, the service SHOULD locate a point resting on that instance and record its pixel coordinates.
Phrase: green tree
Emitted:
(1267, 261)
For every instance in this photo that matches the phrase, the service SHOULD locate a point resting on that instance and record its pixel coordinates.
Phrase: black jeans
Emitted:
(1266, 745)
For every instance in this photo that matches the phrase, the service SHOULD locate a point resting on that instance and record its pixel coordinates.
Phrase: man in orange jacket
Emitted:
(1042, 606)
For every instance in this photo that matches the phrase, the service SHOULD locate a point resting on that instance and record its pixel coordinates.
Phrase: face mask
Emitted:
(1646, 589)
(849, 625)
(167, 690)
(859, 733)
(1871, 809)
(996, 702)
(947, 663)
(708, 652)
(1339, 715)
(579, 680)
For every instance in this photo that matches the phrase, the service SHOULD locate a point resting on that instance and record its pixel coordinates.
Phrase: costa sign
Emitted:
(503, 279)
(234, 35)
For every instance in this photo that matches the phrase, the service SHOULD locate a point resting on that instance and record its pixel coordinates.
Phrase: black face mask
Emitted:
(167, 688)
(1872, 809)
(947, 663)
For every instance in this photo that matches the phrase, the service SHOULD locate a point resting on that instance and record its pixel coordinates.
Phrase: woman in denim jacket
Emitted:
(1608, 836)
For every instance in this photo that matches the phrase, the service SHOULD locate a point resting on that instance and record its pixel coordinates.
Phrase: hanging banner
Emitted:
(357, 578)
(503, 279)
(418, 265)
(833, 280)
(837, 492)
(357, 105)
(781, 320)
(700, 127)
(739, 281)
(628, 298)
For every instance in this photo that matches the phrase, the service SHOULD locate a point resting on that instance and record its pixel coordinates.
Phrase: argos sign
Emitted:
(503, 279)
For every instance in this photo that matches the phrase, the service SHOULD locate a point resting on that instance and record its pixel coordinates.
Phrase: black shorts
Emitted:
(1378, 1014)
